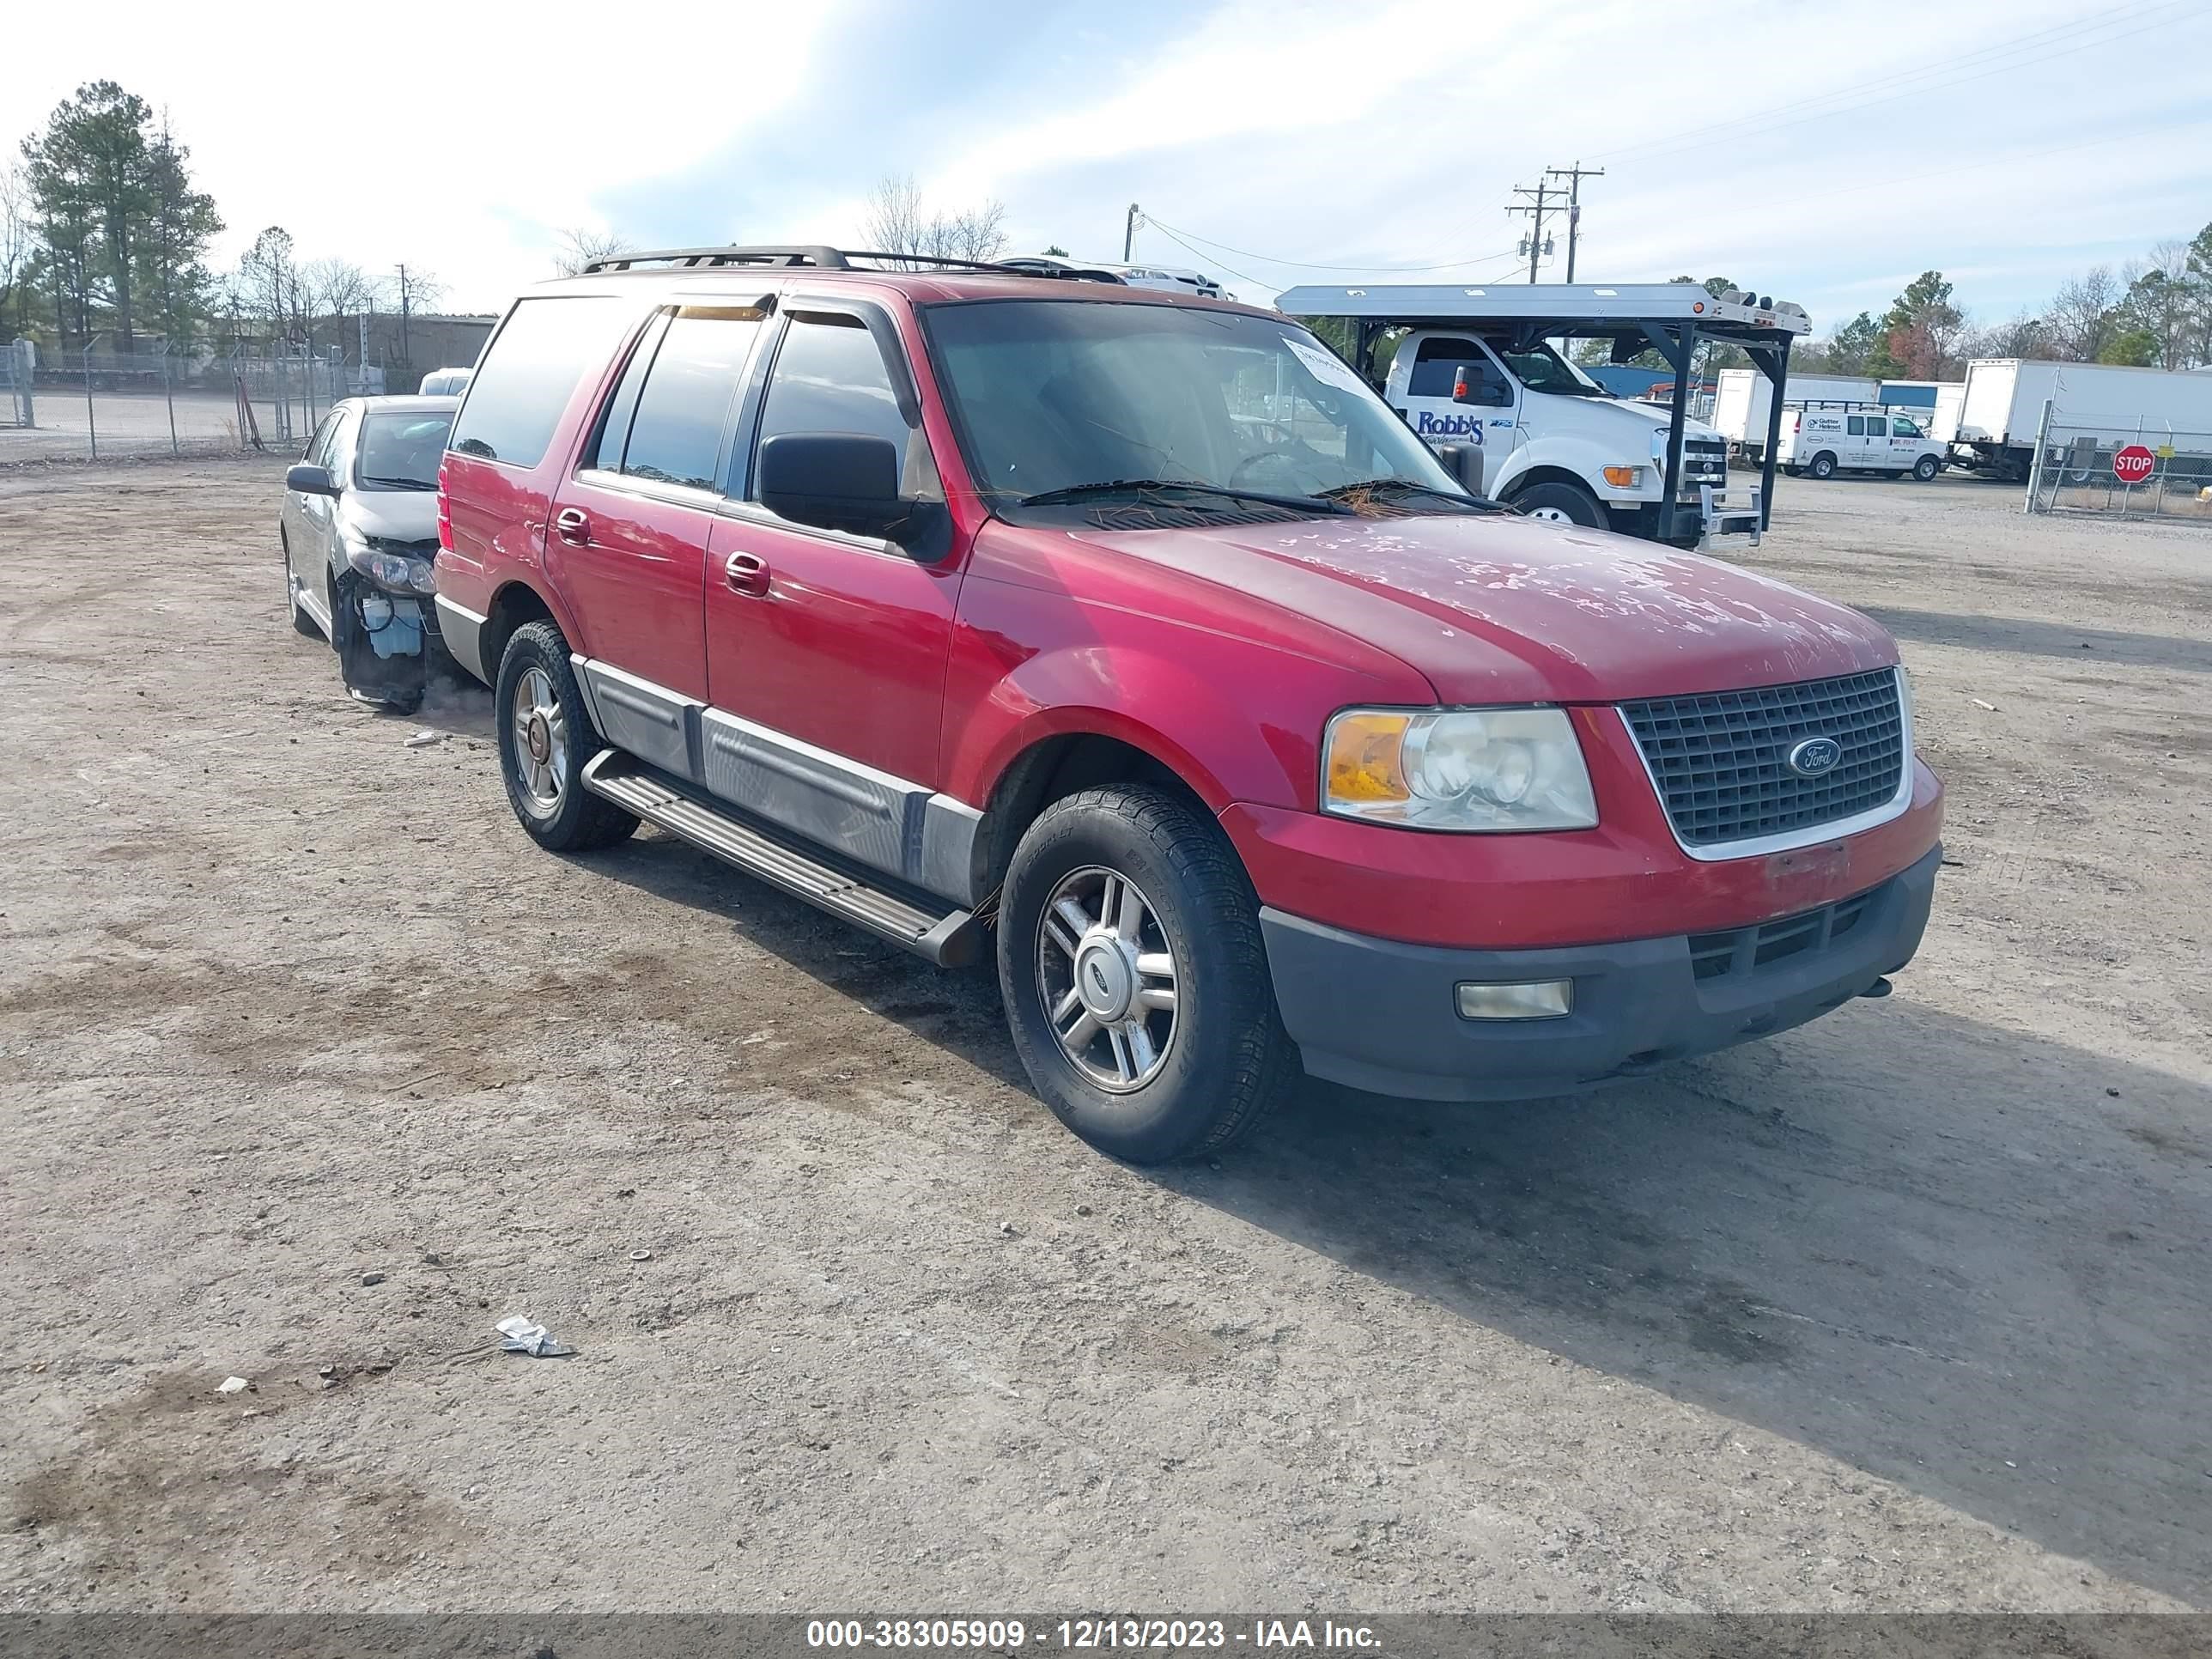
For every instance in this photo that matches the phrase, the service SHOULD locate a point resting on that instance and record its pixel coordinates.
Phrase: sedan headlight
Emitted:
(1457, 768)
(390, 566)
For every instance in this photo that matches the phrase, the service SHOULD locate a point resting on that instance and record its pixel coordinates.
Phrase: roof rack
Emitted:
(830, 258)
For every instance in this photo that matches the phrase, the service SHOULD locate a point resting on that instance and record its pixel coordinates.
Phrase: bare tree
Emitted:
(2024, 336)
(897, 223)
(579, 247)
(2082, 315)
(15, 249)
(978, 233)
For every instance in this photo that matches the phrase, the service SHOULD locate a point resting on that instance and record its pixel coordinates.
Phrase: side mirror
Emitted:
(311, 480)
(1464, 463)
(835, 481)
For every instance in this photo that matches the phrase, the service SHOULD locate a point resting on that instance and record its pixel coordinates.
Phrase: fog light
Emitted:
(1535, 999)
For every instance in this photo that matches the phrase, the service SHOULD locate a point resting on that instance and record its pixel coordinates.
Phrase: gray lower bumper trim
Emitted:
(1380, 1016)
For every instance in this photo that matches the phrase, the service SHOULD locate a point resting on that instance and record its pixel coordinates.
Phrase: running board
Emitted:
(949, 938)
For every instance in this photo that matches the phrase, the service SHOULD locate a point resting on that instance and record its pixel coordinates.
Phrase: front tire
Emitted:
(545, 737)
(1926, 468)
(1824, 465)
(1135, 978)
(1562, 503)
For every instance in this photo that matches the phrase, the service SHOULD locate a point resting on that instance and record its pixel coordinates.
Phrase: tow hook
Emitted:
(1881, 987)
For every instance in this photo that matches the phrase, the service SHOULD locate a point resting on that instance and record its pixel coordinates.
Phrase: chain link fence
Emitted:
(2103, 470)
(98, 403)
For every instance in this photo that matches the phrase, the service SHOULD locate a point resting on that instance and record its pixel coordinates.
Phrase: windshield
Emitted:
(1542, 369)
(401, 450)
(1080, 397)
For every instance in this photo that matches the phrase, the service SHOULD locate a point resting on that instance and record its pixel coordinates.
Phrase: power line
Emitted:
(1302, 265)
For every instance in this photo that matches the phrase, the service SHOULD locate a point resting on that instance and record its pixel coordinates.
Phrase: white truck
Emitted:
(1476, 368)
(1742, 397)
(2002, 410)
(1862, 438)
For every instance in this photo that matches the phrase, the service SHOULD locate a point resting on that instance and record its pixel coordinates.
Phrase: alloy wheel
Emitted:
(1107, 972)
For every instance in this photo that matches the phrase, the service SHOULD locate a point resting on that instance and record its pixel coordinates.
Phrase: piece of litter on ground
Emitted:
(1978, 704)
(641, 1255)
(424, 739)
(757, 1037)
(526, 1335)
(232, 1385)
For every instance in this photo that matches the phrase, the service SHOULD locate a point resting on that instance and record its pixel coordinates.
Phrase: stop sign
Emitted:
(2132, 464)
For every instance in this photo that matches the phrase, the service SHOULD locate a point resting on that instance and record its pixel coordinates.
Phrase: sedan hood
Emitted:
(400, 515)
(1503, 608)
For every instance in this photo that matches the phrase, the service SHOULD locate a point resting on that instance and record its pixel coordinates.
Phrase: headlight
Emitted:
(394, 571)
(1459, 769)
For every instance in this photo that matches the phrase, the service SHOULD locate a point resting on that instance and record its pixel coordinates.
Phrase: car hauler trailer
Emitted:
(1474, 368)
(2002, 410)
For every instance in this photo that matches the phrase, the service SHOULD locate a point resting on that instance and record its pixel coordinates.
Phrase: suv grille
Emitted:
(1752, 950)
(1720, 760)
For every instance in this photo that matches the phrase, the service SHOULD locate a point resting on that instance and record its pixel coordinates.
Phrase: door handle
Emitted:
(573, 525)
(746, 572)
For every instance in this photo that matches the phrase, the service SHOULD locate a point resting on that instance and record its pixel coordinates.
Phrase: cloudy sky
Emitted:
(1820, 152)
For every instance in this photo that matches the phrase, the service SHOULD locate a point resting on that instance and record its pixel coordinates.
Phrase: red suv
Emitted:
(1132, 636)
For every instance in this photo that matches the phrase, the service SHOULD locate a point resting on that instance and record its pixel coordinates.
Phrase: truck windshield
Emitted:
(1542, 369)
(1074, 398)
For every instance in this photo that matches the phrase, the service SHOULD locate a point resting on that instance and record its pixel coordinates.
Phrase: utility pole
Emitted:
(1542, 199)
(1574, 176)
(1129, 230)
(403, 309)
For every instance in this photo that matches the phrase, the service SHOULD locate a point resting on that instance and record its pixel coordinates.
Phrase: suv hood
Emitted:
(1503, 608)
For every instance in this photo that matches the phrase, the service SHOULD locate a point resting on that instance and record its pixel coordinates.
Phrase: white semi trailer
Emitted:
(2002, 410)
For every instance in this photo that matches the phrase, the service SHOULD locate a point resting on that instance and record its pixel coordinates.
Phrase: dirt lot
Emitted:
(1907, 1310)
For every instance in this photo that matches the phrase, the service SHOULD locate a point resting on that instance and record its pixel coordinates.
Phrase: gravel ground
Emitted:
(312, 1068)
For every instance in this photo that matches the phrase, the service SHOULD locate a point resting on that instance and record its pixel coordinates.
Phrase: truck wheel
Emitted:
(1791, 469)
(1562, 503)
(1135, 978)
(302, 622)
(1926, 468)
(545, 737)
(1824, 465)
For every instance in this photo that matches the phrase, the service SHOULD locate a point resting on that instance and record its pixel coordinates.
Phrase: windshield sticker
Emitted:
(1324, 364)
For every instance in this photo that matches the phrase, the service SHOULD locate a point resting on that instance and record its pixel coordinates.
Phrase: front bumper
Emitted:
(1381, 1015)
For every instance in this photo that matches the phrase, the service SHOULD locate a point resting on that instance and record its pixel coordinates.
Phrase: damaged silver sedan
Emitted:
(359, 527)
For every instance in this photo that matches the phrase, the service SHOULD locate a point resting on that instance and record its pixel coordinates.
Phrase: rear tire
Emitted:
(1562, 503)
(545, 737)
(1926, 468)
(1823, 466)
(1167, 912)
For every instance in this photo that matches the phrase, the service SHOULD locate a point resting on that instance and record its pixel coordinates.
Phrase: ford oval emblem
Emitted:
(1810, 758)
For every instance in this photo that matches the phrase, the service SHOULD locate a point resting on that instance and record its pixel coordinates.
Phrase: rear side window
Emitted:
(830, 378)
(666, 422)
(1858, 425)
(531, 371)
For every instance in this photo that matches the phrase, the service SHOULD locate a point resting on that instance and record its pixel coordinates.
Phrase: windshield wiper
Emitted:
(399, 483)
(1083, 492)
(1407, 487)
